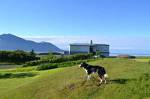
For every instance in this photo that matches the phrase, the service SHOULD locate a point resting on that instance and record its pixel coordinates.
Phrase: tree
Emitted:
(32, 53)
(50, 56)
(17, 56)
(98, 53)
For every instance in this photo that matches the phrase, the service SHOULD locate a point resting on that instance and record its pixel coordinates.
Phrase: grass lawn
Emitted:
(128, 79)
(8, 66)
(143, 60)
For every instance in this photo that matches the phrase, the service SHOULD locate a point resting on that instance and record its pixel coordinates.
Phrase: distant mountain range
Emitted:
(12, 42)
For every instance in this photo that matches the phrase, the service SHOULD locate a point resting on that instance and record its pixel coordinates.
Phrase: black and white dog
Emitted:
(94, 69)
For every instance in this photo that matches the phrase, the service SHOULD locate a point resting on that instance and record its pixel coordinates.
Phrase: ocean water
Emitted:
(134, 52)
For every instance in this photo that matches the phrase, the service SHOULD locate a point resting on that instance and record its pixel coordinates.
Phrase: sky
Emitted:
(124, 24)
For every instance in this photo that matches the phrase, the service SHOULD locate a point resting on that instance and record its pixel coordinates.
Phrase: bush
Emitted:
(58, 65)
(34, 63)
(17, 56)
(59, 59)
(48, 66)
(80, 57)
(16, 75)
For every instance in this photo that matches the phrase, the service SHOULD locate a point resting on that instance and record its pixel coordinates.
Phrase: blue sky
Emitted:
(124, 24)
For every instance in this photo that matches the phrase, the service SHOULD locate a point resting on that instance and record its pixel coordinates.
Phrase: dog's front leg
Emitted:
(88, 77)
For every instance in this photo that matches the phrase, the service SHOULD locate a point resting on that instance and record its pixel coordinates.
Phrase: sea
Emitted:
(133, 52)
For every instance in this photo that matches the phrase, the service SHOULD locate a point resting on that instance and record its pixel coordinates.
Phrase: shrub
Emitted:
(48, 66)
(58, 65)
(34, 63)
(16, 75)
(80, 56)
(59, 59)
(17, 56)
(149, 61)
(49, 56)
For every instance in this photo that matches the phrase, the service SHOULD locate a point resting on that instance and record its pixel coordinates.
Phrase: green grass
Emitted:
(128, 79)
(143, 60)
(8, 66)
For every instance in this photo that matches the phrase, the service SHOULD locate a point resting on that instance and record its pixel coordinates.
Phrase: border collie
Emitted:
(94, 69)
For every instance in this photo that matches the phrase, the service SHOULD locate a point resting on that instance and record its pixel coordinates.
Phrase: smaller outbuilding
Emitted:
(89, 48)
(125, 56)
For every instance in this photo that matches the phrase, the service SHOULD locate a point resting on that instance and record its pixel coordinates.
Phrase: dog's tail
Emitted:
(105, 75)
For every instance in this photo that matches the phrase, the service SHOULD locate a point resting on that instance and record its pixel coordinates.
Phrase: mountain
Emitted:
(12, 42)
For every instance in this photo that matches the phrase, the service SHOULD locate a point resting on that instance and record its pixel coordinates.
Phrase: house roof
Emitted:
(86, 44)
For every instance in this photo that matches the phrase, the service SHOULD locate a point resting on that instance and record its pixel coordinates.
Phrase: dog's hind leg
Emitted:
(105, 81)
(100, 79)
(105, 77)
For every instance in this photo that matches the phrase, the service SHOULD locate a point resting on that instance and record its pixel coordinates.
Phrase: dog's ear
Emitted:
(84, 63)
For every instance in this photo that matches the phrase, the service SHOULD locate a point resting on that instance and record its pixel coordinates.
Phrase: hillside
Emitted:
(129, 79)
(12, 42)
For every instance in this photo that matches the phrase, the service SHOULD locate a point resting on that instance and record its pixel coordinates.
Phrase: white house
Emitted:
(89, 48)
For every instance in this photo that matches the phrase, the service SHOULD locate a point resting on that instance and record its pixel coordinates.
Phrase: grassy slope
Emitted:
(128, 79)
(143, 60)
(8, 66)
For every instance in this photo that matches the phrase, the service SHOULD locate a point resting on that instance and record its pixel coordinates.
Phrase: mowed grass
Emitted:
(128, 79)
(8, 66)
(143, 60)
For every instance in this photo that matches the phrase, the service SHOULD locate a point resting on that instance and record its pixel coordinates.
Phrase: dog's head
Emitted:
(83, 65)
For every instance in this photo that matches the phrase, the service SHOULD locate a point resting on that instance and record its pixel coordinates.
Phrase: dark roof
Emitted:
(86, 44)
(101, 44)
(81, 44)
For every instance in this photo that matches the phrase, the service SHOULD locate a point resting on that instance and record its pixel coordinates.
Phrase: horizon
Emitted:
(113, 52)
(121, 24)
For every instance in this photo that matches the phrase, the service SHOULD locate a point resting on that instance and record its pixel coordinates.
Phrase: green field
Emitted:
(143, 60)
(8, 66)
(128, 79)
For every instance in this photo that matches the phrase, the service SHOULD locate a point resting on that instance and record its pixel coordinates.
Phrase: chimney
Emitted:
(91, 42)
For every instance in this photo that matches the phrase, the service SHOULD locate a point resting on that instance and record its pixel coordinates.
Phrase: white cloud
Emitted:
(63, 41)
(114, 42)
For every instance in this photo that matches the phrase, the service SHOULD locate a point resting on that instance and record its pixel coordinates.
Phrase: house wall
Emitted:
(79, 49)
(106, 54)
(101, 48)
(104, 49)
